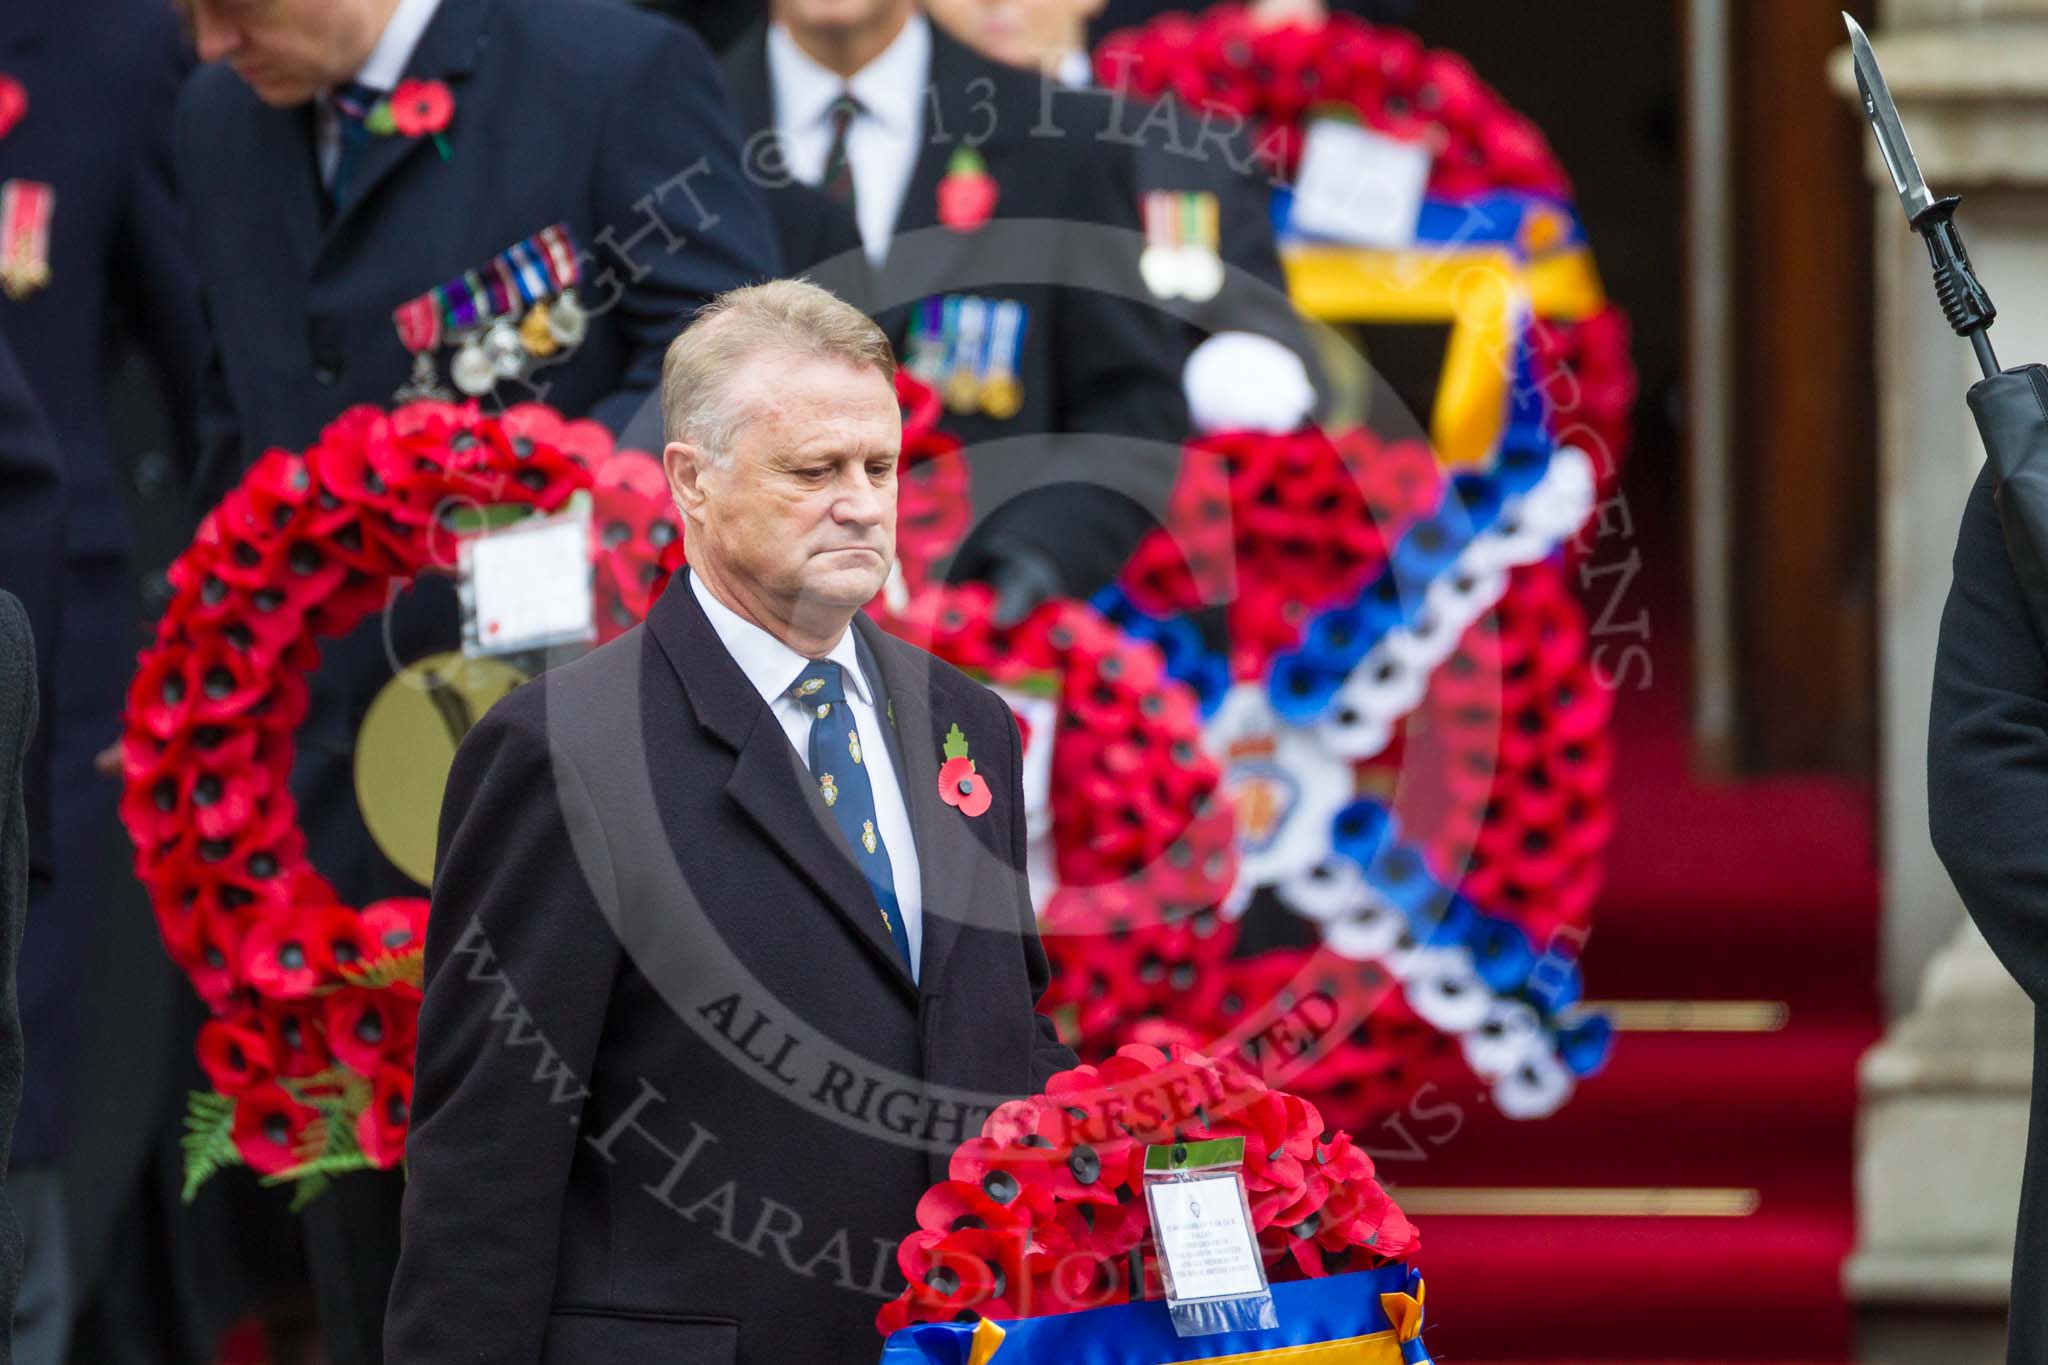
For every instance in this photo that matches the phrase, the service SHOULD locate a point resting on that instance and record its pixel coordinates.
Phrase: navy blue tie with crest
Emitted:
(840, 769)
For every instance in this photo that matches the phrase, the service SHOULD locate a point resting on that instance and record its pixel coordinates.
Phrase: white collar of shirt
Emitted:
(770, 665)
(387, 61)
(890, 88)
(882, 144)
(1074, 71)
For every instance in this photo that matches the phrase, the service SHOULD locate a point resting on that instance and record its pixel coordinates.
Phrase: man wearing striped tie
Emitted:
(730, 943)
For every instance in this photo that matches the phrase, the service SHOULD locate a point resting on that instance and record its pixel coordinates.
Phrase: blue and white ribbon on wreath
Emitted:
(1334, 701)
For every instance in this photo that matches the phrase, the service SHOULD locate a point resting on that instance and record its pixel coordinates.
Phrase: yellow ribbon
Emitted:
(987, 1339)
(1405, 1312)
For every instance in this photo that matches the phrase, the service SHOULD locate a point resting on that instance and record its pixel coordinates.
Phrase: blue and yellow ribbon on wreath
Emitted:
(1369, 1317)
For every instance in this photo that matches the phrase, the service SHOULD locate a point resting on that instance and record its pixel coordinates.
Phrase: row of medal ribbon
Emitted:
(1183, 245)
(969, 349)
(26, 207)
(503, 318)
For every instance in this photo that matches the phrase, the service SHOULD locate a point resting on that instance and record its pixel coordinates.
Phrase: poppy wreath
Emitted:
(1397, 679)
(1416, 755)
(1484, 156)
(1044, 1211)
(314, 1002)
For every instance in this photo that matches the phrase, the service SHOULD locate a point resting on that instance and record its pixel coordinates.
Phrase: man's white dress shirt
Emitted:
(771, 666)
(881, 144)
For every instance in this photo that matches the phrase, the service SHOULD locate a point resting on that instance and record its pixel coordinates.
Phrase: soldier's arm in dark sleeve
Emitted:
(683, 222)
(1987, 749)
(491, 1144)
(32, 563)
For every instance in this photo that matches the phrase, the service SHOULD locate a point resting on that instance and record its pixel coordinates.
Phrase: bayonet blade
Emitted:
(1884, 121)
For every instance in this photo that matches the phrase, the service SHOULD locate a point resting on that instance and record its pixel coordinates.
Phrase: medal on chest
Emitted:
(501, 319)
(26, 208)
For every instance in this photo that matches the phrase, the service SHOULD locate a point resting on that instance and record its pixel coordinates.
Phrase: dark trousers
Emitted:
(351, 1252)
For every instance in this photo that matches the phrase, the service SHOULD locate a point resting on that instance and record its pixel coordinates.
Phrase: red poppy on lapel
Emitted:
(13, 104)
(959, 784)
(421, 108)
(967, 196)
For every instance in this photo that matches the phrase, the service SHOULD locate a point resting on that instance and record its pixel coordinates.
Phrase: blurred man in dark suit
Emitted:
(94, 262)
(1205, 204)
(498, 199)
(1000, 236)
(764, 764)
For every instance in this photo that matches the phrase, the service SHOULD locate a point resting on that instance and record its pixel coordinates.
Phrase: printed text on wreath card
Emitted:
(1203, 1233)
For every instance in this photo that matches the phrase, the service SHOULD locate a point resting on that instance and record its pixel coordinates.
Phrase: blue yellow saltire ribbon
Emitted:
(1485, 265)
(1339, 1320)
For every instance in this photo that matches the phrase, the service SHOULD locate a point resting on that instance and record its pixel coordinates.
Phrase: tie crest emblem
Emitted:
(808, 686)
(853, 745)
(867, 835)
(828, 789)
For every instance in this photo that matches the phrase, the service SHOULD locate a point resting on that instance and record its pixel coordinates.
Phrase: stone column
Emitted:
(1943, 1128)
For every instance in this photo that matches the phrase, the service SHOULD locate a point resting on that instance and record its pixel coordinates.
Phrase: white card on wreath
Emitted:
(1359, 186)
(528, 585)
(1202, 1230)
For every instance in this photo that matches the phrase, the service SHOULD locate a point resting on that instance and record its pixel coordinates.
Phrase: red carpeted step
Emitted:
(1762, 1110)
(1756, 890)
(1765, 1287)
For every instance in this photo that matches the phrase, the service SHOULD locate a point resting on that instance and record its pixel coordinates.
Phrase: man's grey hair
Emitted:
(788, 318)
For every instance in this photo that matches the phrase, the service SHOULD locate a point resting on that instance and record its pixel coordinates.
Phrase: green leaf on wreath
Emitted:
(306, 1191)
(327, 1149)
(209, 1140)
(956, 743)
(379, 119)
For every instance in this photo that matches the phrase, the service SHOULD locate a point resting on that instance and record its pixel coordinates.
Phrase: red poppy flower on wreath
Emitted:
(238, 1053)
(269, 1126)
(1044, 1212)
(421, 108)
(381, 1127)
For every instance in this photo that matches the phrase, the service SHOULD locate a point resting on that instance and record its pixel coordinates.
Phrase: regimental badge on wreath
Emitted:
(501, 320)
(26, 207)
(970, 349)
(1183, 245)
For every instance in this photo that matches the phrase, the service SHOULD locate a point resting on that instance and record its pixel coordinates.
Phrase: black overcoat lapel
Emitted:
(768, 780)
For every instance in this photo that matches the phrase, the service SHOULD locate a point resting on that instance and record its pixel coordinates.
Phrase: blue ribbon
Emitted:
(1335, 1308)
